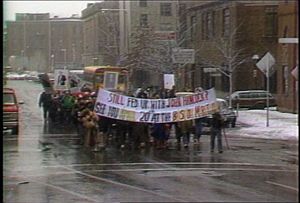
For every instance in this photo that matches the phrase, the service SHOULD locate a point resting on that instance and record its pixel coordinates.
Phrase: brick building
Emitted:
(37, 42)
(287, 92)
(210, 25)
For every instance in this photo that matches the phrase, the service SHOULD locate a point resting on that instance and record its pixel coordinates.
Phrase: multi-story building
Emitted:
(217, 28)
(158, 16)
(287, 92)
(37, 42)
(101, 34)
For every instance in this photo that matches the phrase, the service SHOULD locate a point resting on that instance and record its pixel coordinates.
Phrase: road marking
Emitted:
(157, 169)
(166, 163)
(65, 190)
(125, 185)
(281, 185)
(34, 138)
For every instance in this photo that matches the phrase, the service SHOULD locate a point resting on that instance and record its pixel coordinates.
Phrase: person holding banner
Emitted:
(217, 123)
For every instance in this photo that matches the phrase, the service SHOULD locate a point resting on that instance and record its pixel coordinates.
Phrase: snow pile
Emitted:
(253, 124)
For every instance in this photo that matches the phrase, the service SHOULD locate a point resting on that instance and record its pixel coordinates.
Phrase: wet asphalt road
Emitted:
(44, 163)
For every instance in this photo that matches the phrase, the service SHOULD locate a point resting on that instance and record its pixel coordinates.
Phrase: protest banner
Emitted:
(61, 79)
(117, 106)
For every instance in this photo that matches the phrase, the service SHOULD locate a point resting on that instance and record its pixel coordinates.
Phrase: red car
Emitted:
(10, 110)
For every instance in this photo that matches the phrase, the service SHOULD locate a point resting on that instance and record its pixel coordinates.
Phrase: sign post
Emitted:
(265, 65)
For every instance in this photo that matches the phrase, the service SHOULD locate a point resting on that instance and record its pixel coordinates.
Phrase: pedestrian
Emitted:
(45, 102)
(198, 129)
(186, 129)
(217, 123)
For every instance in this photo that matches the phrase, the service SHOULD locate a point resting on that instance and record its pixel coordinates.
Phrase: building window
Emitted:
(285, 81)
(166, 9)
(226, 22)
(144, 20)
(270, 22)
(193, 27)
(210, 25)
(166, 27)
(143, 3)
(203, 26)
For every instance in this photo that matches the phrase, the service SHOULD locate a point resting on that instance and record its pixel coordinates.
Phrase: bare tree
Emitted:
(228, 58)
(147, 55)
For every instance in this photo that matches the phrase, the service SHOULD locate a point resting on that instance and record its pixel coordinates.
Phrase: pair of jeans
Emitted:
(216, 133)
(46, 111)
(186, 138)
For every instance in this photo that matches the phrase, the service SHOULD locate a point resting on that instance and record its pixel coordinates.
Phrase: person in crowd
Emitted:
(198, 129)
(89, 120)
(217, 124)
(186, 129)
(54, 108)
(45, 102)
(68, 103)
(77, 118)
(158, 135)
(178, 134)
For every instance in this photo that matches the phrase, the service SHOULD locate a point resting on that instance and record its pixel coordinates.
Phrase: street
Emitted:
(45, 163)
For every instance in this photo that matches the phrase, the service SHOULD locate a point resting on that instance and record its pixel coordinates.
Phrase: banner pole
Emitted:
(268, 90)
(227, 145)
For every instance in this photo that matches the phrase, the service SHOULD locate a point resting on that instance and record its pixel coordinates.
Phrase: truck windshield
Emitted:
(8, 98)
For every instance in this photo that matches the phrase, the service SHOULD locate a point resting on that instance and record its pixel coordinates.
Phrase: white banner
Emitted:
(169, 81)
(117, 106)
(76, 83)
(61, 79)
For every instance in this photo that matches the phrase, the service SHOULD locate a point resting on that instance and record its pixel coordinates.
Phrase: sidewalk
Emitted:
(252, 123)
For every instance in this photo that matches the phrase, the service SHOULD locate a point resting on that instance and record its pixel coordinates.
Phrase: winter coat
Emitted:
(45, 100)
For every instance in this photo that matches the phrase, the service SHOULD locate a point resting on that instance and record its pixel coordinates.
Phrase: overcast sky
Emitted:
(59, 8)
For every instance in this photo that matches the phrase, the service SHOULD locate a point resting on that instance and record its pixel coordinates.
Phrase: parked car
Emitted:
(252, 99)
(10, 110)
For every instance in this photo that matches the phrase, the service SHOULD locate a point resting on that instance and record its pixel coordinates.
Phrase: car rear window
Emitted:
(9, 98)
(244, 95)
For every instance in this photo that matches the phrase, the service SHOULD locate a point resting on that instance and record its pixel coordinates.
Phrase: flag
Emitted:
(266, 63)
(295, 72)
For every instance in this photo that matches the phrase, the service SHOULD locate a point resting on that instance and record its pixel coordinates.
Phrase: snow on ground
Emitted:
(253, 124)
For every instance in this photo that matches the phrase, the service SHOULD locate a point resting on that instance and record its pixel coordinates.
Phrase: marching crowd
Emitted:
(94, 130)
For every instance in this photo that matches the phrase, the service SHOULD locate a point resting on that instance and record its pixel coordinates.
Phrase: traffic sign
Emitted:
(183, 56)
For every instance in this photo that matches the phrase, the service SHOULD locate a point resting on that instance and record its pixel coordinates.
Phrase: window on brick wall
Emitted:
(226, 22)
(193, 27)
(144, 20)
(166, 27)
(285, 81)
(143, 3)
(166, 9)
(210, 25)
(203, 26)
(270, 22)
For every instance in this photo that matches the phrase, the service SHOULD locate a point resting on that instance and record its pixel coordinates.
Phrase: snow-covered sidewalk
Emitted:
(253, 124)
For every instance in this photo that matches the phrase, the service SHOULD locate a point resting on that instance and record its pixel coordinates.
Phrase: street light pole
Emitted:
(52, 63)
(65, 58)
